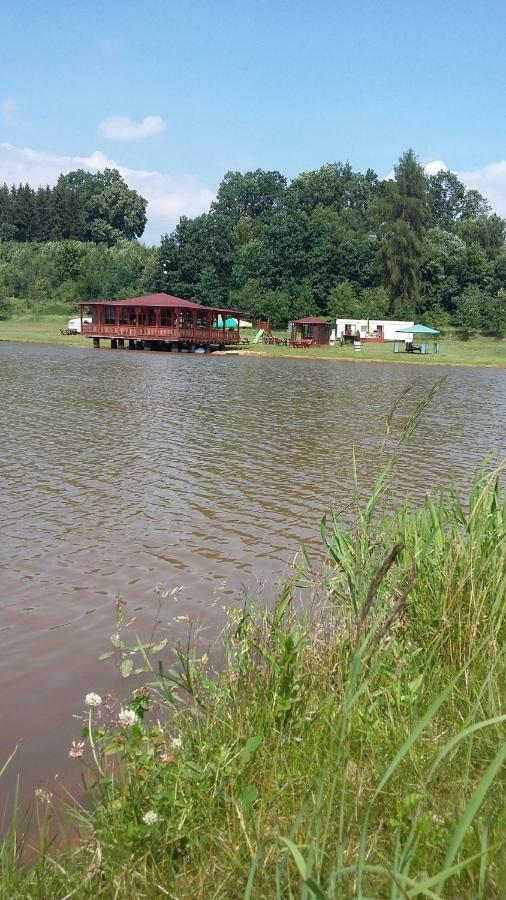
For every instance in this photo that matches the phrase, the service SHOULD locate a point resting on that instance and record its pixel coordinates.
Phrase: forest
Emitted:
(331, 241)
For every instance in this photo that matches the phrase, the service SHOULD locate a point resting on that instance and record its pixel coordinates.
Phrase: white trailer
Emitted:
(76, 323)
(381, 329)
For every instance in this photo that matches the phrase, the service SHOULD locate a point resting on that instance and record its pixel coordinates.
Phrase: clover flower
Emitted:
(76, 750)
(93, 699)
(177, 743)
(127, 717)
(150, 817)
(43, 796)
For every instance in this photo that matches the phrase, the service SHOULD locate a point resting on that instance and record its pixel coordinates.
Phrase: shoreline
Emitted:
(352, 359)
(306, 354)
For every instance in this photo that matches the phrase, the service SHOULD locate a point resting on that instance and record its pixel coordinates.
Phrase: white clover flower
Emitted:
(150, 817)
(76, 750)
(127, 717)
(93, 699)
(177, 743)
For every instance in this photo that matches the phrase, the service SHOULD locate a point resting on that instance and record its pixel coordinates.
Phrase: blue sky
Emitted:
(177, 93)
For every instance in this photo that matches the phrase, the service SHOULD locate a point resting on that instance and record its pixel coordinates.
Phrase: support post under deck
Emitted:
(96, 343)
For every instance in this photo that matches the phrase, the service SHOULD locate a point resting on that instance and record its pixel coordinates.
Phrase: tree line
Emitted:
(339, 242)
(82, 206)
(332, 241)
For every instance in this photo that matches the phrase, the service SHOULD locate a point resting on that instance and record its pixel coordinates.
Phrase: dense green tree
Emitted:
(374, 303)
(82, 206)
(402, 247)
(335, 186)
(488, 232)
(498, 274)
(497, 314)
(474, 205)
(471, 310)
(446, 195)
(68, 260)
(343, 301)
(250, 196)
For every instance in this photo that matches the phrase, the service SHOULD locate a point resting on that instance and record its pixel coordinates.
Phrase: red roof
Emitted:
(164, 300)
(310, 320)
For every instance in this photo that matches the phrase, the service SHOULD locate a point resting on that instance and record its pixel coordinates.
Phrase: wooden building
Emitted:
(311, 329)
(160, 321)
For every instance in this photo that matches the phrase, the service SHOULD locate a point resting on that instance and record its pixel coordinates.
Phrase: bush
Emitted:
(13, 307)
(54, 308)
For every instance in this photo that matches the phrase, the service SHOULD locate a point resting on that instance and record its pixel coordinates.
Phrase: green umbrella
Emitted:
(417, 329)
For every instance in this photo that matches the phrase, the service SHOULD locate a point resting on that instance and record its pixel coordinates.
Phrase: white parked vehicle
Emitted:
(76, 323)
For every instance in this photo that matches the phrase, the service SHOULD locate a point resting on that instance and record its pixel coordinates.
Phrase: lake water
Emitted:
(122, 471)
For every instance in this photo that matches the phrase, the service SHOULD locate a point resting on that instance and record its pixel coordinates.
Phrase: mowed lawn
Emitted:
(479, 351)
(40, 330)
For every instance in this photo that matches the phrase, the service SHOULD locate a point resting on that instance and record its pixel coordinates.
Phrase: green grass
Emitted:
(479, 351)
(351, 744)
(43, 329)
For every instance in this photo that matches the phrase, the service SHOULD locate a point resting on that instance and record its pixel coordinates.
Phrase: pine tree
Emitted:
(406, 213)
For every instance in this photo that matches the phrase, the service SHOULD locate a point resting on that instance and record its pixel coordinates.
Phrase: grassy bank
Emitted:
(43, 329)
(351, 744)
(479, 351)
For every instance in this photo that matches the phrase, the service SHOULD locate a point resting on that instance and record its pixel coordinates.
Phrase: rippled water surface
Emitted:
(121, 471)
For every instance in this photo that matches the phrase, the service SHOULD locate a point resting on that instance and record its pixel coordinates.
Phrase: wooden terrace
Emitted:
(160, 321)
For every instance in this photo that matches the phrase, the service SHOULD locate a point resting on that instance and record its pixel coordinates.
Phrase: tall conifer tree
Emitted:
(401, 250)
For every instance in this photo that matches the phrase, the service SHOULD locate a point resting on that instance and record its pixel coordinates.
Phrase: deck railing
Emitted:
(162, 333)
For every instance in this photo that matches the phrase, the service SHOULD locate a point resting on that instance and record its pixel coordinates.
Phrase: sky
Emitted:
(174, 94)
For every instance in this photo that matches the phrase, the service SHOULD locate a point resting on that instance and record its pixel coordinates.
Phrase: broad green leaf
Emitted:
(248, 796)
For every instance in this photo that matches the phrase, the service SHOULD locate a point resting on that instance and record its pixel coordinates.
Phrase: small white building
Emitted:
(374, 329)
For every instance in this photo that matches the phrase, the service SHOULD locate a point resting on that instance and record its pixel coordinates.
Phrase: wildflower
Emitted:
(438, 820)
(93, 699)
(177, 743)
(77, 749)
(43, 796)
(127, 717)
(150, 817)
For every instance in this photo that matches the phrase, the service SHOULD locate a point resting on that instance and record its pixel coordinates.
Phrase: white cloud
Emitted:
(122, 128)
(489, 181)
(432, 168)
(7, 107)
(168, 196)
